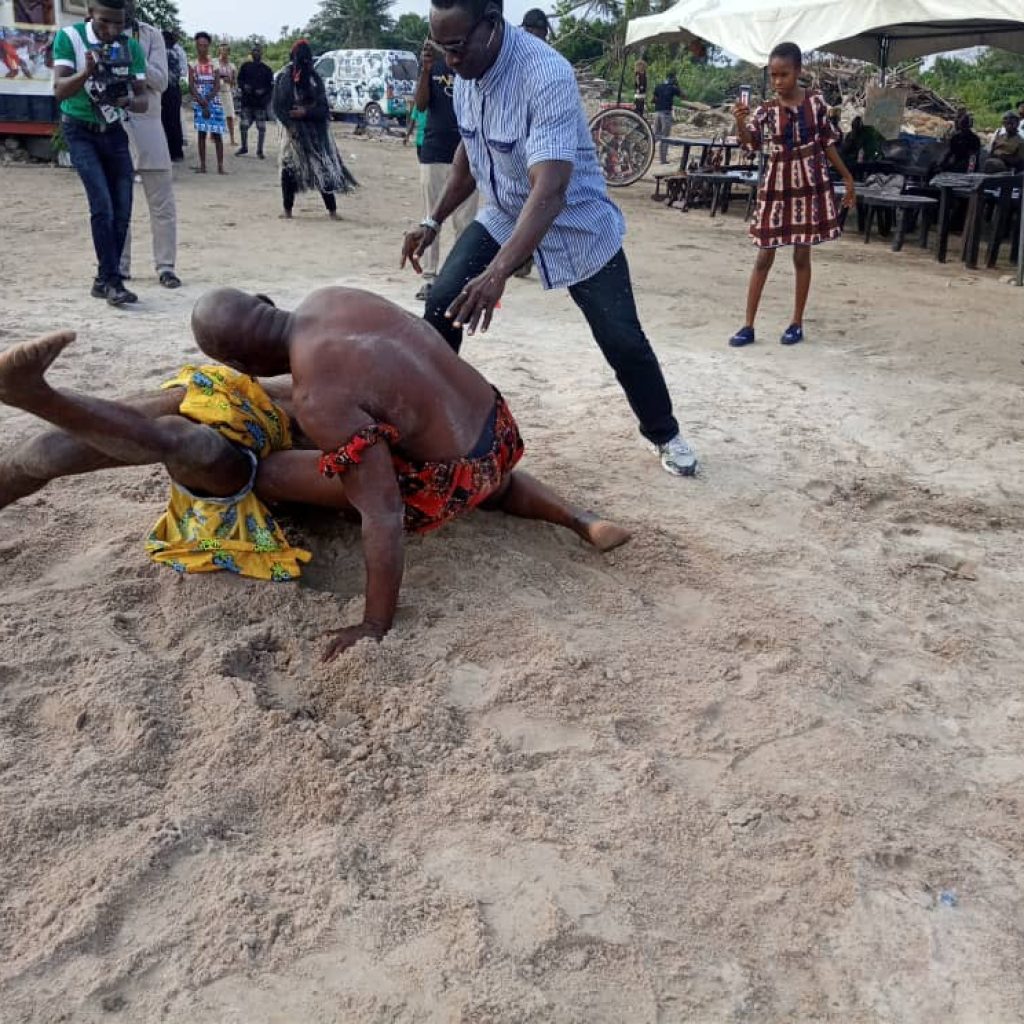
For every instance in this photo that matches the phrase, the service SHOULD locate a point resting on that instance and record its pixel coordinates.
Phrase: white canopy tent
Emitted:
(882, 31)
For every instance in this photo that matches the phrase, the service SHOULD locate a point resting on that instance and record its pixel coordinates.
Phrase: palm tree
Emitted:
(349, 24)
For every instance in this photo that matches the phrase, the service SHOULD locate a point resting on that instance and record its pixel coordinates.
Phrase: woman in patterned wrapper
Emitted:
(204, 83)
(796, 204)
(309, 157)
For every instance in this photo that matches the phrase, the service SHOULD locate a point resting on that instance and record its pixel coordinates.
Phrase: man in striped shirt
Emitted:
(527, 148)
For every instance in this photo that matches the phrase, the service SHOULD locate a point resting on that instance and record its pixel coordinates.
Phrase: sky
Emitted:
(265, 17)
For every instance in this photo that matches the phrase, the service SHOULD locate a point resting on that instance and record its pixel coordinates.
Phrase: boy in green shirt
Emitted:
(99, 74)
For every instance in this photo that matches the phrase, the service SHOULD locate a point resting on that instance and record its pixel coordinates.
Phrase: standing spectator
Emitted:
(309, 157)
(527, 147)
(92, 117)
(256, 85)
(228, 80)
(640, 86)
(796, 203)
(665, 96)
(535, 21)
(440, 141)
(170, 100)
(204, 85)
(153, 158)
(416, 125)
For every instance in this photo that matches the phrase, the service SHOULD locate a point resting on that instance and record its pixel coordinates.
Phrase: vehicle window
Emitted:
(325, 67)
(405, 70)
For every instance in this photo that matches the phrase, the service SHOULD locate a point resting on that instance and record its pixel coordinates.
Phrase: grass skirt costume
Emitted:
(309, 157)
(236, 534)
(436, 492)
(796, 204)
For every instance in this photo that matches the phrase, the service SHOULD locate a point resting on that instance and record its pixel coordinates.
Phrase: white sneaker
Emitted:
(677, 457)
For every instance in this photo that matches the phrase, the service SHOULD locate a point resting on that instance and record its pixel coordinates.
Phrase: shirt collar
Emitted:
(491, 79)
(94, 40)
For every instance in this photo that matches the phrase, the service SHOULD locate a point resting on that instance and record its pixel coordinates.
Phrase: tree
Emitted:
(161, 13)
(408, 33)
(349, 24)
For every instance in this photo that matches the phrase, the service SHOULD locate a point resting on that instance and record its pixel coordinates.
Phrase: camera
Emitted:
(112, 80)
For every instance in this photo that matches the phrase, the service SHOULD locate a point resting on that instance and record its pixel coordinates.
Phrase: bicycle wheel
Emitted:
(625, 145)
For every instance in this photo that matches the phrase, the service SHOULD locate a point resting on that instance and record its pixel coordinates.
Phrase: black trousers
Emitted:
(606, 300)
(170, 115)
(289, 191)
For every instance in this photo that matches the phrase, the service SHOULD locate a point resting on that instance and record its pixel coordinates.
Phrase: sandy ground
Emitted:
(762, 764)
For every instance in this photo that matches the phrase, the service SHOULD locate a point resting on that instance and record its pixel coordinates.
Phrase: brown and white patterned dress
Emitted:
(796, 205)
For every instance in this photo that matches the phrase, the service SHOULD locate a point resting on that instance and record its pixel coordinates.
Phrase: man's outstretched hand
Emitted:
(343, 639)
(474, 305)
(415, 244)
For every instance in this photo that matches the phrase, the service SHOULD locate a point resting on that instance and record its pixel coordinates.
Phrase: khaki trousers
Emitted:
(433, 178)
(163, 222)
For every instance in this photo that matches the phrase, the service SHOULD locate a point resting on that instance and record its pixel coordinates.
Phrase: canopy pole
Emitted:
(884, 48)
(1020, 241)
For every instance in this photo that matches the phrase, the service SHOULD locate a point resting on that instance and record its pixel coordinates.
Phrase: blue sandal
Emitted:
(794, 334)
(744, 336)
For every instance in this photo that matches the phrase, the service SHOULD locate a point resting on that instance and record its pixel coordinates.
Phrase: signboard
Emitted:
(27, 28)
(883, 110)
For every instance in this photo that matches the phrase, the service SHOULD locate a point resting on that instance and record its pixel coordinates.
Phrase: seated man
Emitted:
(418, 436)
(1007, 150)
(964, 147)
(862, 145)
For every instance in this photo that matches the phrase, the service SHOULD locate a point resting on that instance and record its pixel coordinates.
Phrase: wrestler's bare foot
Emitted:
(22, 366)
(602, 533)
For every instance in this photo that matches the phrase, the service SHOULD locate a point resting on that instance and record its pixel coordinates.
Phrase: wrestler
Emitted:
(409, 436)
(211, 428)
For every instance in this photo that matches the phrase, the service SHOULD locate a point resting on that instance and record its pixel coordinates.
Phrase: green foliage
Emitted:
(341, 24)
(407, 33)
(987, 87)
(579, 40)
(161, 13)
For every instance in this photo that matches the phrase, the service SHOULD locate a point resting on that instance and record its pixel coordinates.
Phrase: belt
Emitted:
(89, 126)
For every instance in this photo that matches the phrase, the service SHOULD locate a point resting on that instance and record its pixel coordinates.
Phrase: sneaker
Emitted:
(118, 295)
(99, 289)
(424, 293)
(744, 336)
(169, 279)
(677, 457)
(241, 152)
(793, 334)
(261, 156)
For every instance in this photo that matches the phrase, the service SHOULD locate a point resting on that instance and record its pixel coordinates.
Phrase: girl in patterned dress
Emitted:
(204, 82)
(796, 204)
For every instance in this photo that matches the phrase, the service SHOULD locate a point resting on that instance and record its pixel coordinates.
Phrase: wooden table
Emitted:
(970, 186)
(722, 183)
(705, 144)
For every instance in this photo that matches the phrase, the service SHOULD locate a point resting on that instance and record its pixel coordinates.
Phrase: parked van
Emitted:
(374, 83)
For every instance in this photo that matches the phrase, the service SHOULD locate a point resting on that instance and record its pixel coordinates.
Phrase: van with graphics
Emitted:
(374, 83)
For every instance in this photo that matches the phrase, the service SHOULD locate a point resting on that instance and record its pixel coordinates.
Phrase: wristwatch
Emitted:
(429, 222)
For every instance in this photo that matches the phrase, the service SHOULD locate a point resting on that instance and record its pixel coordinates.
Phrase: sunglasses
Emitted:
(459, 48)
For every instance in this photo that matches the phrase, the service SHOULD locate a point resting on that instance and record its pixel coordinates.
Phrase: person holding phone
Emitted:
(796, 204)
(433, 100)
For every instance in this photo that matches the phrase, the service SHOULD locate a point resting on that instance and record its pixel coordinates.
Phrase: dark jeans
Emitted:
(289, 192)
(104, 163)
(607, 302)
(170, 116)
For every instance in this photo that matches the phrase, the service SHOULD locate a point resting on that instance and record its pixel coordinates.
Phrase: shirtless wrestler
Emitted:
(407, 435)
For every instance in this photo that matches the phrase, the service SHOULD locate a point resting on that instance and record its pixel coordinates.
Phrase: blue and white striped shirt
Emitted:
(526, 109)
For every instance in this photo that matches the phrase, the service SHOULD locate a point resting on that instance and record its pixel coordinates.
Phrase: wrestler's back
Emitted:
(351, 348)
